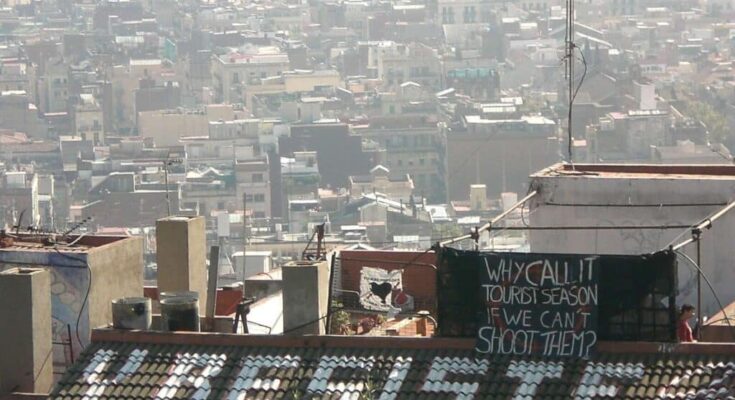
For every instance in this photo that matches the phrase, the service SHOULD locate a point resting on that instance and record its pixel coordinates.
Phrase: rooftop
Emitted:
(641, 171)
(197, 366)
(528, 119)
(74, 244)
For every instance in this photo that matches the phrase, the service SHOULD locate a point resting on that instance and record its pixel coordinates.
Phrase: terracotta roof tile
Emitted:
(142, 370)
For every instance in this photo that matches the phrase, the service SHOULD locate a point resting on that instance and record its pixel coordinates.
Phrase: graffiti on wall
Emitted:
(382, 290)
(68, 288)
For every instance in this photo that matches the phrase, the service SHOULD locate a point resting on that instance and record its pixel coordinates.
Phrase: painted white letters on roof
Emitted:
(436, 382)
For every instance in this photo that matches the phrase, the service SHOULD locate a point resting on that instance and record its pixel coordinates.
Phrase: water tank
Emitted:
(131, 313)
(180, 313)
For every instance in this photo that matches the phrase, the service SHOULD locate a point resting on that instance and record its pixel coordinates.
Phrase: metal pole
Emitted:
(699, 284)
(682, 244)
(70, 343)
(212, 287)
(493, 221)
(244, 235)
(570, 74)
(330, 294)
(707, 223)
(165, 177)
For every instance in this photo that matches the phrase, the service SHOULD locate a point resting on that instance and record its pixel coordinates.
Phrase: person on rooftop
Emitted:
(683, 330)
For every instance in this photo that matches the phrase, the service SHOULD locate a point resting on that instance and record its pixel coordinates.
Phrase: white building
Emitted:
(232, 72)
(665, 199)
(254, 185)
(88, 119)
(394, 186)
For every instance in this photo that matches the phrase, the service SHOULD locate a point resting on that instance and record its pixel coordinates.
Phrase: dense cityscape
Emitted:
(347, 199)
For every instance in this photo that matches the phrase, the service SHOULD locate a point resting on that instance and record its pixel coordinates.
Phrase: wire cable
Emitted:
(714, 293)
(727, 318)
(660, 205)
(694, 225)
(330, 311)
(584, 73)
(86, 295)
(523, 219)
(75, 241)
(304, 325)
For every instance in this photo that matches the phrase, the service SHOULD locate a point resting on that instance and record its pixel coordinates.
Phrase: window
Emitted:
(257, 178)
(259, 198)
(391, 109)
(221, 205)
(235, 77)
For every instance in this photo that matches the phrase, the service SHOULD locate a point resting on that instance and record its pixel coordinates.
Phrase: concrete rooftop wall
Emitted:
(620, 201)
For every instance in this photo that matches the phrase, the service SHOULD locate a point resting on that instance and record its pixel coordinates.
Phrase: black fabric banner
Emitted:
(555, 304)
(542, 304)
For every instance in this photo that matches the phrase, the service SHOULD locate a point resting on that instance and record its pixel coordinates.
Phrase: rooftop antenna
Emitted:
(569, 57)
(569, 73)
(76, 226)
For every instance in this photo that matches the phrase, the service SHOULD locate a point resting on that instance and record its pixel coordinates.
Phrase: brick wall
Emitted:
(419, 277)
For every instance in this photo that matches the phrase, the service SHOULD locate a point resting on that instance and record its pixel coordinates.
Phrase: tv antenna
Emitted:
(570, 47)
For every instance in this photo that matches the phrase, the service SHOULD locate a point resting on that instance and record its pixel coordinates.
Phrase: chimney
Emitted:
(26, 364)
(305, 297)
(422, 328)
(181, 256)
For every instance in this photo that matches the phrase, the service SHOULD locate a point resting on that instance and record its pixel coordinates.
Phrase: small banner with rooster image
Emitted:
(382, 290)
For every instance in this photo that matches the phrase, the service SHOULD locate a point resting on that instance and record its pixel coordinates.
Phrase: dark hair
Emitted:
(685, 308)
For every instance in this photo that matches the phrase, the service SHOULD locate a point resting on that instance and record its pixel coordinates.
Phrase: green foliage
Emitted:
(340, 323)
(714, 120)
(369, 392)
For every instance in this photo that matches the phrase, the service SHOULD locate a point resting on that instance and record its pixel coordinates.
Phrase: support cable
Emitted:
(714, 293)
(492, 222)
